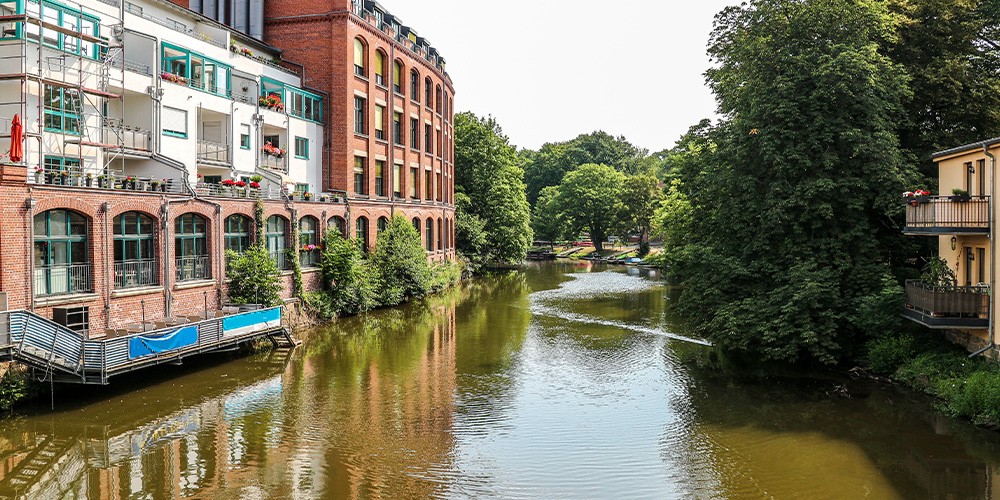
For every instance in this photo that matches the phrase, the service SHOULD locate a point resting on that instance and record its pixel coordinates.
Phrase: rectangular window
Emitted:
(413, 183)
(379, 178)
(174, 122)
(397, 128)
(380, 122)
(360, 125)
(428, 93)
(184, 67)
(273, 139)
(414, 86)
(61, 164)
(244, 136)
(359, 175)
(969, 261)
(969, 172)
(428, 138)
(414, 133)
(62, 109)
(301, 188)
(982, 178)
(982, 264)
(428, 186)
(439, 142)
(440, 185)
(397, 181)
(302, 148)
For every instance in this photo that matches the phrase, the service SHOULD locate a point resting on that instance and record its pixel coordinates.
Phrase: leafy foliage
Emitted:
(589, 200)
(488, 171)
(545, 220)
(790, 231)
(547, 166)
(350, 283)
(470, 231)
(401, 262)
(640, 197)
(255, 278)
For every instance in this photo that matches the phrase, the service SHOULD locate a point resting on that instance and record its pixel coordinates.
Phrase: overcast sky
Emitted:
(549, 70)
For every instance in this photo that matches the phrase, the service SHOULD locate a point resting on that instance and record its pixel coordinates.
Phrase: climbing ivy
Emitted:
(258, 220)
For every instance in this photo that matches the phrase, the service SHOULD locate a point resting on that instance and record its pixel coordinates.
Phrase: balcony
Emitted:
(943, 307)
(934, 215)
(278, 163)
(136, 273)
(213, 152)
(193, 268)
(63, 279)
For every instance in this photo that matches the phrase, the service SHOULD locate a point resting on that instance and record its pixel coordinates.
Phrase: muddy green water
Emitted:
(559, 382)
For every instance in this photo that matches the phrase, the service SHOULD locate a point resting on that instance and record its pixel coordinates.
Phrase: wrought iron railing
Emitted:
(948, 301)
(136, 273)
(213, 151)
(193, 268)
(63, 279)
(928, 213)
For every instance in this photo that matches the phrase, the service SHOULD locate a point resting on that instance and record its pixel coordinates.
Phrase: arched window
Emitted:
(135, 259)
(429, 227)
(447, 234)
(237, 234)
(276, 236)
(361, 232)
(428, 92)
(359, 57)
(414, 85)
(191, 256)
(440, 235)
(339, 223)
(382, 224)
(380, 67)
(397, 77)
(308, 241)
(437, 99)
(416, 224)
(62, 261)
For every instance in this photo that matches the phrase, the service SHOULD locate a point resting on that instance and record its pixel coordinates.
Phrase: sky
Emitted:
(550, 70)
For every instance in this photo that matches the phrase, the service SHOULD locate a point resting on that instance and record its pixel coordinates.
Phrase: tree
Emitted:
(548, 166)
(350, 283)
(589, 200)
(641, 195)
(791, 219)
(401, 262)
(254, 277)
(488, 171)
(545, 218)
(470, 231)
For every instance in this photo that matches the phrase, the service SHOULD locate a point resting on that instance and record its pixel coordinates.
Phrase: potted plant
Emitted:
(155, 184)
(39, 175)
(128, 182)
(89, 179)
(256, 178)
(307, 196)
(960, 195)
(163, 185)
(917, 197)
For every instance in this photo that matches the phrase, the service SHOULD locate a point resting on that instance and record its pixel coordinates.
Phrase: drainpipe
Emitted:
(993, 225)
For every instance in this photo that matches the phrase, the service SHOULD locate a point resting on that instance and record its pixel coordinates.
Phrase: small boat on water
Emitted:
(541, 255)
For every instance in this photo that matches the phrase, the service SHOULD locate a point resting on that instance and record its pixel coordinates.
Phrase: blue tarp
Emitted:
(146, 345)
(251, 321)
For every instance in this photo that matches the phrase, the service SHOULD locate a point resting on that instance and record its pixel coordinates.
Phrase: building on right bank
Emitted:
(955, 296)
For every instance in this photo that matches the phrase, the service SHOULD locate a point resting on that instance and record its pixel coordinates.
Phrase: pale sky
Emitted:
(549, 70)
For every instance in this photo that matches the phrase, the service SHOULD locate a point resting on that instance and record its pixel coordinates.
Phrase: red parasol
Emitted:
(16, 140)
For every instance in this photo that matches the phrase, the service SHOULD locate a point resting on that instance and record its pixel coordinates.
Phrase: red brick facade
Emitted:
(111, 308)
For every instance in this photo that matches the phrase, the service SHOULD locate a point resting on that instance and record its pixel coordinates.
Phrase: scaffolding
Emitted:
(66, 72)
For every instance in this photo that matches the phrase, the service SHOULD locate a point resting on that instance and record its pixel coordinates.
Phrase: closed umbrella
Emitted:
(16, 140)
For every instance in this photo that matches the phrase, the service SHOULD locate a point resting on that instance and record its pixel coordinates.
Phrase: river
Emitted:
(563, 381)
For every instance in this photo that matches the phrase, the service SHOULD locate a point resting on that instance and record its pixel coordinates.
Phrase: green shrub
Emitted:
(886, 354)
(348, 277)
(255, 278)
(15, 386)
(401, 263)
(445, 275)
(976, 397)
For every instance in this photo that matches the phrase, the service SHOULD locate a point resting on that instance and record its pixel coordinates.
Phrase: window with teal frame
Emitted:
(296, 102)
(302, 148)
(58, 15)
(183, 66)
(61, 164)
(62, 110)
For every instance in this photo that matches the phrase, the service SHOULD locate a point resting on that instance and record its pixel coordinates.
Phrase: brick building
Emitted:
(151, 130)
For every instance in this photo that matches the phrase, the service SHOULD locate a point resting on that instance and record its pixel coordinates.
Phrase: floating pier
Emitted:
(68, 356)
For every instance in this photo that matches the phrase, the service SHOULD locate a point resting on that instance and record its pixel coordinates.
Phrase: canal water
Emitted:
(563, 381)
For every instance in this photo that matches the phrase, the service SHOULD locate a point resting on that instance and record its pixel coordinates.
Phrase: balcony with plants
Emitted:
(936, 300)
(959, 213)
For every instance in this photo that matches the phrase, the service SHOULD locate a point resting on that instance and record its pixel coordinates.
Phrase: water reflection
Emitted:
(565, 381)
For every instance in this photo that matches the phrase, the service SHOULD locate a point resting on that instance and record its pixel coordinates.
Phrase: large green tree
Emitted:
(640, 197)
(589, 199)
(547, 166)
(488, 171)
(401, 262)
(545, 216)
(791, 217)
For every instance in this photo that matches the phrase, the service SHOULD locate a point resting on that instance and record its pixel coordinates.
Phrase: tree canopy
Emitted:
(589, 199)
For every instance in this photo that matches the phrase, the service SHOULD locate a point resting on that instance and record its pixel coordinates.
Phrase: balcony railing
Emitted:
(193, 268)
(128, 137)
(213, 151)
(272, 162)
(63, 279)
(947, 215)
(947, 306)
(136, 274)
(264, 193)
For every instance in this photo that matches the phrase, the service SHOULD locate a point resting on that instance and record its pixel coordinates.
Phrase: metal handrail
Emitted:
(193, 268)
(77, 279)
(948, 301)
(213, 151)
(136, 273)
(927, 212)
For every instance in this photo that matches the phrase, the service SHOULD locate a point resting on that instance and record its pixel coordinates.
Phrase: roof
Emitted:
(967, 147)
